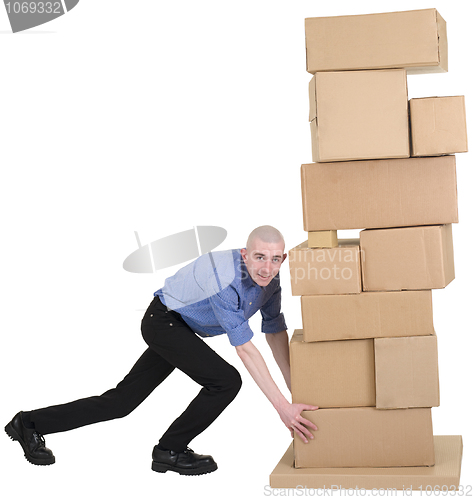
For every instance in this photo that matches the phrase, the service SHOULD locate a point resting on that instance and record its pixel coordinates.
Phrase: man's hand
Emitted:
(290, 414)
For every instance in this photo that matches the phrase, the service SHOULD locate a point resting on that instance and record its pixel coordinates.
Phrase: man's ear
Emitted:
(244, 253)
(284, 257)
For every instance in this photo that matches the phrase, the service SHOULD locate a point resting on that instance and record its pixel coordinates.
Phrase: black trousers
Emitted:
(172, 344)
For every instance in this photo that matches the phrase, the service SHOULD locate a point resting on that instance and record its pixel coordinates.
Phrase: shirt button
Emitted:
(171, 324)
(151, 315)
(250, 303)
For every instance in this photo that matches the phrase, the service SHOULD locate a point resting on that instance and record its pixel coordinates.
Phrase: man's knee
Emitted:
(231, 381)
(118, 403)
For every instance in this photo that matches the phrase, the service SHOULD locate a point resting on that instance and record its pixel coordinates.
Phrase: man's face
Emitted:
(263, 260)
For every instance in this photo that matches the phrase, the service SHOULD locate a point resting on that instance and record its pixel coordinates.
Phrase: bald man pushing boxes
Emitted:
(215, 294)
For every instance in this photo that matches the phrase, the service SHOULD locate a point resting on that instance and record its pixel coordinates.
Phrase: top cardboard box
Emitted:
(415, 40)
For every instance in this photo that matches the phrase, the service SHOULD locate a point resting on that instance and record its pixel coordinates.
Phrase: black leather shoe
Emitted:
(187, 462)
(31, 441)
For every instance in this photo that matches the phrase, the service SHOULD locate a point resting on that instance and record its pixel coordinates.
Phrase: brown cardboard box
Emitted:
(407, 258)
(415, 40)
(400, 372)
(359, 115)
(379, 193)
(367, 437)
(367, 315)
(332, 374)
(325, 270)
(322, 239)
(443, 476)
(406, 374)
(438, 126)
(312, 99)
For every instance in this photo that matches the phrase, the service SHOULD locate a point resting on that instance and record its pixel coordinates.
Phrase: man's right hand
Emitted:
(290, 414)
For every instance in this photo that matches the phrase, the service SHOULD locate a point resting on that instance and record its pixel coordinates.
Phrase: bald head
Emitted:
(264, 254)
(267, 234)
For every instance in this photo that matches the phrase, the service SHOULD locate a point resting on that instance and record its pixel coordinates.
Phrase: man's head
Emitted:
(264, 254)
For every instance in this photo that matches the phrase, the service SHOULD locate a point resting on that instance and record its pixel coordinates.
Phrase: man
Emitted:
(215, 294)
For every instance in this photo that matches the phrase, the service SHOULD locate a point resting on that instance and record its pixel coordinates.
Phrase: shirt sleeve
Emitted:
(273, 320)
(225, 305)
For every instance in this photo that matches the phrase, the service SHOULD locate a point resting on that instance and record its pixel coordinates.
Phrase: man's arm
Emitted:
(289, 413)
(278, 343)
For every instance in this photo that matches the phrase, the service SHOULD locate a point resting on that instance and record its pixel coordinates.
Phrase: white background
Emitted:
(155, 117)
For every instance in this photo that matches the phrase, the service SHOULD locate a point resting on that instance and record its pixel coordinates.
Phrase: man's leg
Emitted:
(27, 427)
(168, 335)
(147, 373)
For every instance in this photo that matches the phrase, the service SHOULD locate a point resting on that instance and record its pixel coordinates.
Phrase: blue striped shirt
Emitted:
(215, 294)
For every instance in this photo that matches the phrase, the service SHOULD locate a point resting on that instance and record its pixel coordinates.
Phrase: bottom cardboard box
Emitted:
(367, 437)
(443, 476)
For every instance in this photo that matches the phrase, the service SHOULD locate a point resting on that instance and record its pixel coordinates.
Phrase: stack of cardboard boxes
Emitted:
(367, 353)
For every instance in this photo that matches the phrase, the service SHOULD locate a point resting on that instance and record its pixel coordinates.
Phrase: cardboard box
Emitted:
(312, 99)
(367, 437)
(406, 374)
(438, 126)
(399, 373)
(415, 40)
(360, 115)
(332, 374)
(325, 270)
(443, 476)
(379, 193)
(367, 315)
(322, 239)
(407, 258)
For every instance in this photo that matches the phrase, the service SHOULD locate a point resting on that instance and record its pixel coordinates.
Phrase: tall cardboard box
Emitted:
(325, 270)
(367, 315)
(415, 40)
(379, 193)
(438, 126)
(406, 374)
(359, 115)
(332, 374)
(407, 258)
(367, 437)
